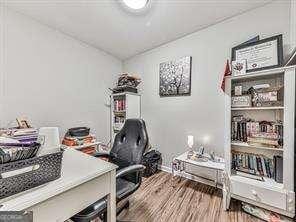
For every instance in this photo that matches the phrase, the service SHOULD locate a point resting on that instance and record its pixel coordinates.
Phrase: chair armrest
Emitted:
(105, 155)
(130, 169)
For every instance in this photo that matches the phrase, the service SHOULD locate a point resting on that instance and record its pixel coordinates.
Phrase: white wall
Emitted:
(293, 24)
(169, 120)
(51, 78)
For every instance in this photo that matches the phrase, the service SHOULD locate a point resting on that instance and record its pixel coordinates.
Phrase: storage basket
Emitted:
(25, 174)
(151, 161)
(27, 151)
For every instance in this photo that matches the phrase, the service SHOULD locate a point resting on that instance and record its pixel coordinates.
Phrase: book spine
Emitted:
(255, 165)
(264, 169)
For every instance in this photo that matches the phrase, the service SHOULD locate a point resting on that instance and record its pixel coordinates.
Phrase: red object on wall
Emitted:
(227, 72)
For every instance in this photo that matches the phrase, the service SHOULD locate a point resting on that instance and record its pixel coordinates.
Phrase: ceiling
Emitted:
(104, 24)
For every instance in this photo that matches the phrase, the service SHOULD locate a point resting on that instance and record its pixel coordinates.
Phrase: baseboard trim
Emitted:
(189, 176)
(165, 169)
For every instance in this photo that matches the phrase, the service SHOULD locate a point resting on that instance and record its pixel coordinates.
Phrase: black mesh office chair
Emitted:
(127, 152)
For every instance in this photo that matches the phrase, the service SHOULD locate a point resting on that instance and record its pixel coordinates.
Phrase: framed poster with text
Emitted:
(263, 54)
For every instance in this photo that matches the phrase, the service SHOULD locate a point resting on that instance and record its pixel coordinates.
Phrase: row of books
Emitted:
(118, 122)
(119, 105)
(119, 119)
(257, 132)
(253, 164)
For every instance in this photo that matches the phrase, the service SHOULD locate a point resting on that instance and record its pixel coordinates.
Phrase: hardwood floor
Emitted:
(164, 198)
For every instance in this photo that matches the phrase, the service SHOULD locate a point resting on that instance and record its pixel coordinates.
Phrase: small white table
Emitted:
(84, 180)
(181, 161)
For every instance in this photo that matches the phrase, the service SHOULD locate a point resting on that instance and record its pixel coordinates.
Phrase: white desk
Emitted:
(84, 180)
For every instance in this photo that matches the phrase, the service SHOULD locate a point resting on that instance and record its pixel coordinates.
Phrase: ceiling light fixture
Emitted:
(135, 4)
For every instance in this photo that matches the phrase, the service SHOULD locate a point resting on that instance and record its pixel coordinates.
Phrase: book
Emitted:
(278, 166)
(262, 133)
(263, 166)
(257, 164)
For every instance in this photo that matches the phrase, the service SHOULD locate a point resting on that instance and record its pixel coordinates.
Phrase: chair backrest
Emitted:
(130, 143)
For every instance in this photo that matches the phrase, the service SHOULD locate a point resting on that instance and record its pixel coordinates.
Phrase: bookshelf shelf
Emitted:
(122, 112)
(258, 108)
(272, 125)
(259, 74)
(255, 147)
(124, 106)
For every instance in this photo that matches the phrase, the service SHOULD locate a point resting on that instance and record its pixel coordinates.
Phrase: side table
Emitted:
(179, 164)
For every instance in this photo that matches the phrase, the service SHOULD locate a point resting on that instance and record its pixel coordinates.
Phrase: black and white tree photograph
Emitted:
(175, 77)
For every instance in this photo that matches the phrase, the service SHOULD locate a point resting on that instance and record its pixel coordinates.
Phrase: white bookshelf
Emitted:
(268, 194)
(266, 184)
(258, 108)
(131, 109)
(243, 144)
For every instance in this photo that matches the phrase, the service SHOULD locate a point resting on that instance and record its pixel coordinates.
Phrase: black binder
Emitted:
(278, 169)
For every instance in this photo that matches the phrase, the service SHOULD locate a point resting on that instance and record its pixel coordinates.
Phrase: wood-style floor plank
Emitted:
(164, 198)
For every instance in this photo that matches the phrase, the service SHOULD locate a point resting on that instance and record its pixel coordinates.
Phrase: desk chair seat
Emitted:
(127, 153)
(123, 188)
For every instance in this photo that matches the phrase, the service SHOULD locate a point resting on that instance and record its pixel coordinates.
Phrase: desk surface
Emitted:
(77, 168)
(208, 164)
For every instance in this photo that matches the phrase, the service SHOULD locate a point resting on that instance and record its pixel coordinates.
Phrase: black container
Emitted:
(78, 131)
(29, 173)
(151, 161)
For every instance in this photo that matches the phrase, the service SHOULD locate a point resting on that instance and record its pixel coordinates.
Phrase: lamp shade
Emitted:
(190, 141)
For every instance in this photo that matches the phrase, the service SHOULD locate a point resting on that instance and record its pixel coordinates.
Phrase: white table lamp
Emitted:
(190, 141)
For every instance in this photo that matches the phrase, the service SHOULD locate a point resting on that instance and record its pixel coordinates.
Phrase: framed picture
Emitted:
(252, 40)
(175, 77)
(23, 123)
(238, 90)
(263, 54)
(269, 97)
(241, 101)
(239, 67)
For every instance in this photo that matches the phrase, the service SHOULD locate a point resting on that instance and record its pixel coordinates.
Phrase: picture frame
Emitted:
(175, 77)
(238, 90)
(252, 40)
(23, 123)
(260, 55)
(269, 97)
(241, 101)
(239, 67)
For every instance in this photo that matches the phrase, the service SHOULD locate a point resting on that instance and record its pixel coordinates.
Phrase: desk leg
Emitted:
(111, 199)
(216, 179)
